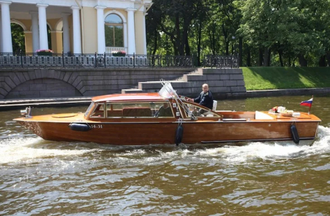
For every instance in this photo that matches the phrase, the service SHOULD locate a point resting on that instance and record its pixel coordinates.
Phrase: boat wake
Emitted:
(29, 149)
(273, 151)
(252, 152)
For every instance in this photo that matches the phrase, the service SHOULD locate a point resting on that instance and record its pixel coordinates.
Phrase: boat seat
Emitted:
(136, 111)
(115, 113)
(215, 105)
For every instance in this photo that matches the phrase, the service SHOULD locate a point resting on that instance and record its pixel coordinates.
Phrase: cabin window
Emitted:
(98, 112)
(163, 110)
(198, 111)
(139, 110)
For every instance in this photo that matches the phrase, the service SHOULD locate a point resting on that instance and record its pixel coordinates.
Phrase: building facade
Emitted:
(76, 26)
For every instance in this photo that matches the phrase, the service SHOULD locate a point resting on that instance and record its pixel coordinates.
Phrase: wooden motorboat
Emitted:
(166, 118)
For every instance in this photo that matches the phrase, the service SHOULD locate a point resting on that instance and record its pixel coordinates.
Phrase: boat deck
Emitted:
(264, 116)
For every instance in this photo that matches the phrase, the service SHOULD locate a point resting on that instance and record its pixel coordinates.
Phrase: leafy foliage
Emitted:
(264, 32)
(18, 38)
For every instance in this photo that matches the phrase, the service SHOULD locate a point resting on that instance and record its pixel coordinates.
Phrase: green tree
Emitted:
(289, 28)
(264, 32)
(18, 38)
(174, 18)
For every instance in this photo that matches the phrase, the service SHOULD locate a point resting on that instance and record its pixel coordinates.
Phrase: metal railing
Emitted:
(218, 61)
(106, 60)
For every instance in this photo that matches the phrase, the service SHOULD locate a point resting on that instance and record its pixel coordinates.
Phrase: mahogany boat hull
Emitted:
(144, 133)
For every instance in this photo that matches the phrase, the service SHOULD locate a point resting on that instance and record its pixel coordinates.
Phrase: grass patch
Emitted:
(262, 78)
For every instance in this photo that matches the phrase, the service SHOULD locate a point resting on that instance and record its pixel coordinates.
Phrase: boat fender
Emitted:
(178, 134)
(294, 133)
(79, 127)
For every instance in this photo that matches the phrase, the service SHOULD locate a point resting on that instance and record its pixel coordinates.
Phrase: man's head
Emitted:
(205, 87)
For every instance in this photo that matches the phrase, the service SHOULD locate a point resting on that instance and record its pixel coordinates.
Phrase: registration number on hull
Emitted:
(96, 126)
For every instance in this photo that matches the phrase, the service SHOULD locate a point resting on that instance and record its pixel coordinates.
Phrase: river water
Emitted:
(40, 177)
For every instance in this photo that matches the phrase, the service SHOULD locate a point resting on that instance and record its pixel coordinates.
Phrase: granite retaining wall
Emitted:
(74, 83)
(44, 83)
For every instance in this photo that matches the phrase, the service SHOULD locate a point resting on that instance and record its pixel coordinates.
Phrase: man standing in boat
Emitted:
(205, 98)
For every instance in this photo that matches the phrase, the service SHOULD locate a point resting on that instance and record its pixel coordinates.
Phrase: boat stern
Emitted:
(43, 125)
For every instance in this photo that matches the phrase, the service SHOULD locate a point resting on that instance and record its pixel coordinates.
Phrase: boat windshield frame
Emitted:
(91, 105)
(198, 113)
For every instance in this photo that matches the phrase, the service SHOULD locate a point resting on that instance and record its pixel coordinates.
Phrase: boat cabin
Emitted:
(144, 106)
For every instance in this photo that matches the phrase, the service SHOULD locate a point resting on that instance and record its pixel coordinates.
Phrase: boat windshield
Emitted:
(98, 111)
(198, 111)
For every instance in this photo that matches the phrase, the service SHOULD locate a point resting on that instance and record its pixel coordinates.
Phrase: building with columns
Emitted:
(76, 26)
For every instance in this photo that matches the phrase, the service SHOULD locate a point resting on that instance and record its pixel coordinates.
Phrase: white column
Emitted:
(125, 37)
(43, 36)
(100, 29)
(66, 35)
(35, 31)
(76, 30)
(131, 30)
(144, 34)
(7, 44)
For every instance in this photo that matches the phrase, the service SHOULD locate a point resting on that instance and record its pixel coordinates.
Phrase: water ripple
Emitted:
(41, 177)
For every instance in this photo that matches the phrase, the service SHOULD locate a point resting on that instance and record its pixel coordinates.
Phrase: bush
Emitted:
(118, 53)
(45, 52)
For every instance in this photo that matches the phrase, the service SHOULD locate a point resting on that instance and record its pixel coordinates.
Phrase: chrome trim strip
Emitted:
(175, 122)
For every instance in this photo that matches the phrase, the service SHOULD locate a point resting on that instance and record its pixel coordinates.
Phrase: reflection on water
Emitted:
(40, 177)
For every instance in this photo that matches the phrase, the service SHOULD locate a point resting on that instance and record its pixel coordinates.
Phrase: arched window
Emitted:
(114, 34)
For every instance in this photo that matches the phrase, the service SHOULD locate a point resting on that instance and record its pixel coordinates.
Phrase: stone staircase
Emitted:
(223, 83)
(154, 86)
(197, 72)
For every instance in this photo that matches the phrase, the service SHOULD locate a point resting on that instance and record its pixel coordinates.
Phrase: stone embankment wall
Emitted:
(51, 83)
(44, 83)
(223, 83)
